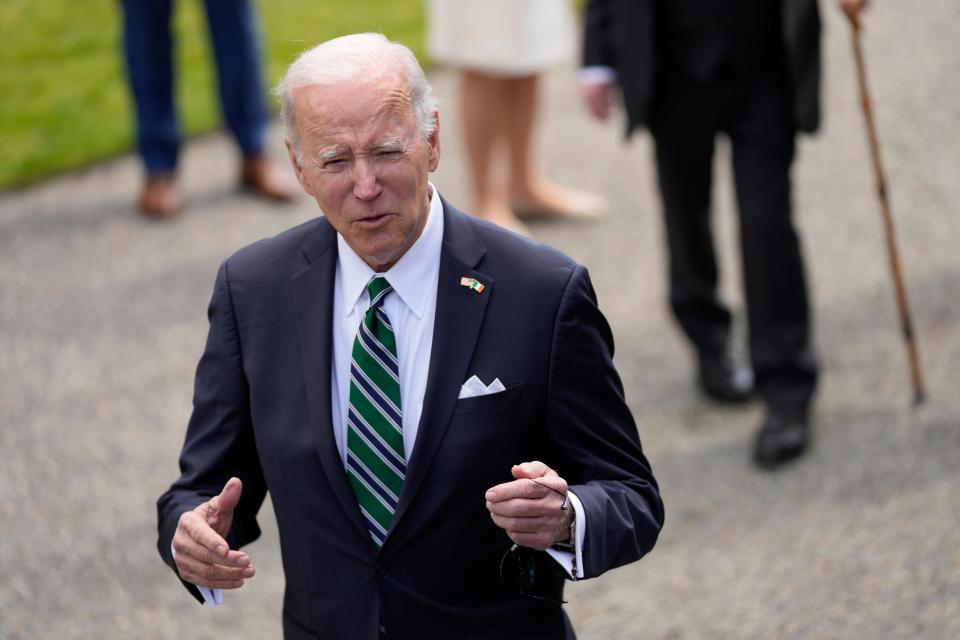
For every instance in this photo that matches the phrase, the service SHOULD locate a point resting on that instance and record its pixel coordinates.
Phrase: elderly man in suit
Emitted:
(430, 400)
(688, 70)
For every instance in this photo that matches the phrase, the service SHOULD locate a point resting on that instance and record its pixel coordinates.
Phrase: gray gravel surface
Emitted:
(102, 318)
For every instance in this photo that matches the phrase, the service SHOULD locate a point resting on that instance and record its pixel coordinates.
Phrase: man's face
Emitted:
(366, 163)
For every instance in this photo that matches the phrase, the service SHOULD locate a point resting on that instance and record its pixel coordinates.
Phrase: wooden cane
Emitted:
(913, 355)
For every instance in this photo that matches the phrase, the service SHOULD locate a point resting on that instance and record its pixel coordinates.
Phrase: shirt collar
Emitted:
(415, 267)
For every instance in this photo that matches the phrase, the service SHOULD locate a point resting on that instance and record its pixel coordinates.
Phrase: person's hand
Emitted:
(528, 508)
(598, 97)
(202, 556)
(852, 7)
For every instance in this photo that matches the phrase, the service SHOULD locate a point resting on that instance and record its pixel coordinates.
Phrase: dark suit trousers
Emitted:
(710, 84)
(148, 49)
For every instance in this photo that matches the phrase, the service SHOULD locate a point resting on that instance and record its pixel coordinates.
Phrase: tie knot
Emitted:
(378, 289)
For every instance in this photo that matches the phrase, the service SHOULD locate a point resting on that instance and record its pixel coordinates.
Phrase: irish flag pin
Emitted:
(471, 283)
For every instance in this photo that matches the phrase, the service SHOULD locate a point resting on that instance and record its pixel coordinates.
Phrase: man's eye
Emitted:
(334, 164)
(389, 154)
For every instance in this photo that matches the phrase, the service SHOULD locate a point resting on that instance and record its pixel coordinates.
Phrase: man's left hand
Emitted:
(529, 511)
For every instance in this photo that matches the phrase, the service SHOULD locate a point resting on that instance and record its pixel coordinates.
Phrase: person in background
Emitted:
(689, 70)
(501, 47)
(148, 50)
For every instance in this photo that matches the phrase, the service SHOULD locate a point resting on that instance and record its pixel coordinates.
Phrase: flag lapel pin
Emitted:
(472, 283)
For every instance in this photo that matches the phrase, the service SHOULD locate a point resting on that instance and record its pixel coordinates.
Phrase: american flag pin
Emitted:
(472, 283)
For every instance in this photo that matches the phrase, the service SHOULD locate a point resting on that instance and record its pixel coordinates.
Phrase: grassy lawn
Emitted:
(65, 99)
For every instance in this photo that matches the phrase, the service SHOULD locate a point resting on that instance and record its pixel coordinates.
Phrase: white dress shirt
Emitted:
(411, 307)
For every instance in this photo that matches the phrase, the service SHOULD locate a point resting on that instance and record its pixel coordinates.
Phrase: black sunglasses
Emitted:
(533, 573)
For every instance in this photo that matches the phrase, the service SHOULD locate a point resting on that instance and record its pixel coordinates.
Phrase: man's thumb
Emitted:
(535, 469)
(224, 504)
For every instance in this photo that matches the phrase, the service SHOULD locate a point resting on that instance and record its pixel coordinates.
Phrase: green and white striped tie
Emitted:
(375, 461)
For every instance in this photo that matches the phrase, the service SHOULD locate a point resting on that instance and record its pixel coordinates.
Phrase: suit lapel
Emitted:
(460, 313)
(313, 301)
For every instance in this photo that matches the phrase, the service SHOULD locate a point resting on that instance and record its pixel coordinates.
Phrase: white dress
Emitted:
(501, 37)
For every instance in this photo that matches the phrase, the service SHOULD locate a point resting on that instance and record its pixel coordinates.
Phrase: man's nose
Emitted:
(366, 185)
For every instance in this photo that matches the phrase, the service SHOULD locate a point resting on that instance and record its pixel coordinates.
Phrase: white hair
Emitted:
(349, 57)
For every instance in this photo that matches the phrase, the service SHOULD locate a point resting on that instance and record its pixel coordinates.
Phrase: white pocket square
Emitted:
(475, 387)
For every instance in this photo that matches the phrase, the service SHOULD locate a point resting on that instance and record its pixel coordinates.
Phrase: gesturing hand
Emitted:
(202, 555)
(529, 508)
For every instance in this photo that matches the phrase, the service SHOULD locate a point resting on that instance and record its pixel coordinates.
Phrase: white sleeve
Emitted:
(596, 75)
(571, 562)
(211, 597)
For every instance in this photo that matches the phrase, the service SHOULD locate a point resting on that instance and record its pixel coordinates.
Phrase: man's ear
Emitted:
(297, 168)
(433, 142)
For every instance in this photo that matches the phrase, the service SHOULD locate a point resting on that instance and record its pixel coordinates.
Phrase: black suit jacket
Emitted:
(262, 412)
(623, 34)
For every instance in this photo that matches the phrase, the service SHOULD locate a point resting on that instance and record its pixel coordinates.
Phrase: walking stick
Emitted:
(916, 376)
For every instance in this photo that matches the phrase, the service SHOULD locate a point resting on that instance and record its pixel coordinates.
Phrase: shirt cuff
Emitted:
(211, 597)
(573, 562)
(597, 75)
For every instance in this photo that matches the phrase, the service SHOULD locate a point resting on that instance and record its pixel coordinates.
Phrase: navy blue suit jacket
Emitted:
(262, 413)
(625, 35)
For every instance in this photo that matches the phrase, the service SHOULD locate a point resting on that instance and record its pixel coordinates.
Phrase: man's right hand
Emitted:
(598, 97)
(203, 556)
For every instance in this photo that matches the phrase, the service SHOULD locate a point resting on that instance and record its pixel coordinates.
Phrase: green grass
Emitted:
(65, 101)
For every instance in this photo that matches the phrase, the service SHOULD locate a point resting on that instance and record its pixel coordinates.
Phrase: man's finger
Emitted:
(233, 583)
(540, 524)
(203, 534)
(212, 572)
(187, 546)
(534, 480)
(535, 469)
(221, 507)
(553, 482)
(526, 508)
(524, 488)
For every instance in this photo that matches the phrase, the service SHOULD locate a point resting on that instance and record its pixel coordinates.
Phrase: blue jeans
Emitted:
(148, 49)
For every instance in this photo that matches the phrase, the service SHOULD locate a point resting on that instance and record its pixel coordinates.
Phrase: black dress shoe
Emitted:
(783, 436)
(724, 382)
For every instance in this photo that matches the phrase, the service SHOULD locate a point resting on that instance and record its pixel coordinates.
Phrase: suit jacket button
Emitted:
(381, 572)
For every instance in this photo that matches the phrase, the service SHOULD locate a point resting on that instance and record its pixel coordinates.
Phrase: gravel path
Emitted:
(102, 318)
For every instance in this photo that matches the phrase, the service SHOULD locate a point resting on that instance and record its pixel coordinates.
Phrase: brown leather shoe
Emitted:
(265, 180)
(160, 198)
